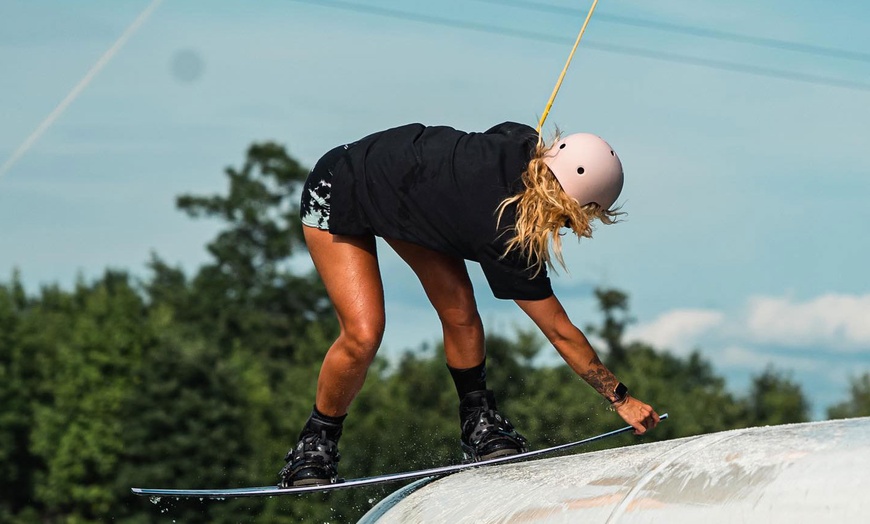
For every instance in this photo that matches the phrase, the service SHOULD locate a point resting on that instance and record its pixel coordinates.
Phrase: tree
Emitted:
(614, 305)
(250, 291)
(85, 362)
(17, 390)
(858, 405)
(685, 387)
(193, 420)
(774, 398)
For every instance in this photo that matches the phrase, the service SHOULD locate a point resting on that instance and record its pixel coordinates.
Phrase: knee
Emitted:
(361, 340)
(460, 318)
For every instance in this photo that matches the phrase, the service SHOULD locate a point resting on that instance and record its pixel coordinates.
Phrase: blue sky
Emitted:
(746, 165)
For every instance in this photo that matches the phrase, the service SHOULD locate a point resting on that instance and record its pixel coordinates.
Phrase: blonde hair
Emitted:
(542, 210)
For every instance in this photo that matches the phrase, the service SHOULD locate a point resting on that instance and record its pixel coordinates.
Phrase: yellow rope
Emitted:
(565, 69)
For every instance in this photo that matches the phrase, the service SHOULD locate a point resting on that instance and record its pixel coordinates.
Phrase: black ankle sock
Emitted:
(470, 379)
(318, 422)
(320, 417)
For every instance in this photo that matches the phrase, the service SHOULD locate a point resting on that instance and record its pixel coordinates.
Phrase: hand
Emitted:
(642, 417)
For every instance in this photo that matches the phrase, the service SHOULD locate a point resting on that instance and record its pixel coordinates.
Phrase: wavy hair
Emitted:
(542, 210)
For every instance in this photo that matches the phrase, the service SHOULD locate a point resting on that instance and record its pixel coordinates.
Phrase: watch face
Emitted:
(620, 392)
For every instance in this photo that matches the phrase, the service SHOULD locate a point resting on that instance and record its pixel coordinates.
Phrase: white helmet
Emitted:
(587, 168)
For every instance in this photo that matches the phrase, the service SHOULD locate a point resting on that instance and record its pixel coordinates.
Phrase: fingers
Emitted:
(650, 420)
(648, 423)
(640, 416)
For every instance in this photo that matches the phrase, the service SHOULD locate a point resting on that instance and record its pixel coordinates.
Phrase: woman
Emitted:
(439, 197)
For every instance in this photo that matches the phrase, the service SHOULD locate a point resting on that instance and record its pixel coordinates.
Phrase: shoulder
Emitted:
(515, 135)
(406, 130)
(513, 130)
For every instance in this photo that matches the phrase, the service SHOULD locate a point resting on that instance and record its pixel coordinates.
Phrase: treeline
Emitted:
(204, 381)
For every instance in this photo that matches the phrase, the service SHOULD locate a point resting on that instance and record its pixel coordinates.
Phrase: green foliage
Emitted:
(614, 306)
(193, 420)
(205, 381)
(17, 389)
(858, 404)
(77, 429)
(775, 399)
(249, 291)
(686, 388)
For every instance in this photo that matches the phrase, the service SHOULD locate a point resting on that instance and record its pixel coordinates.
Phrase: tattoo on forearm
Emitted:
(600, 378)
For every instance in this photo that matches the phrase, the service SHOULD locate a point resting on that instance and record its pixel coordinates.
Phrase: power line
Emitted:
(605, 48)
(733, 66)
(714, 34)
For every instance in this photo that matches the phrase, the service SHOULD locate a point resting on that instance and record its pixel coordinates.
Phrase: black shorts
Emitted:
(314, 207)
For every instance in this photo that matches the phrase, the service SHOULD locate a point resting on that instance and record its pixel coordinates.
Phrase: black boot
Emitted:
(486, 433)
(314, 459)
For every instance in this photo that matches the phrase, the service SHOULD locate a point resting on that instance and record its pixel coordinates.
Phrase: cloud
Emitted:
(678, 330)
(738, 356)
(818, 342)
(833, 321)
(756, 358)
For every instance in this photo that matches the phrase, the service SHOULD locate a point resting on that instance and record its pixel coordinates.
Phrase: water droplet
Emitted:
(154, 500)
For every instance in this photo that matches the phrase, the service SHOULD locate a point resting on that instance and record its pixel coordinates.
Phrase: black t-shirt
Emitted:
(440, 188)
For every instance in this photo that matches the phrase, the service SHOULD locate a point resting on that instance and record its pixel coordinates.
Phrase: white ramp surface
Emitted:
(814, 472)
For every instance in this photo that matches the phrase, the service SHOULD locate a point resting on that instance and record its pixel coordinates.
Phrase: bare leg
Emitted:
(348, 266)
(448, 287)
(446, 282)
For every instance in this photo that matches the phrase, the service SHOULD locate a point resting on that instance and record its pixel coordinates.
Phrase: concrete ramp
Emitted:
(814, 472)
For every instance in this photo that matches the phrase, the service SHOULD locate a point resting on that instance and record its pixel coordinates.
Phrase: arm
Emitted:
(549, 315)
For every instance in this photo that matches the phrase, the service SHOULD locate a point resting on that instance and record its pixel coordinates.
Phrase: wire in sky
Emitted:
(606, 48)
(77, 90)
(786, 45)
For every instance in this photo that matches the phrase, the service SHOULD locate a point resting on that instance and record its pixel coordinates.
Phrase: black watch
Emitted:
(620, 393)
